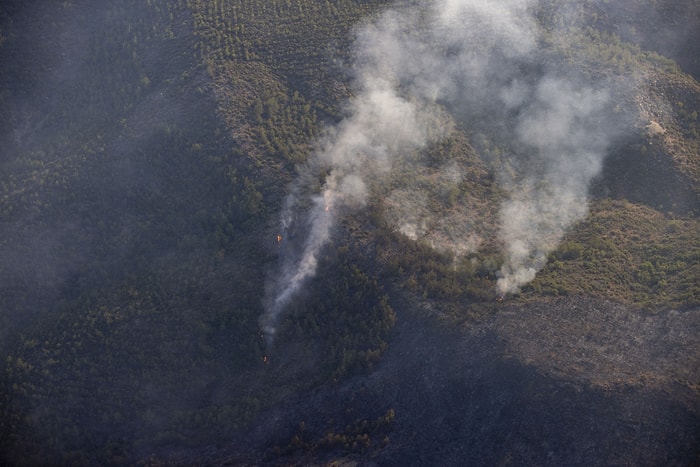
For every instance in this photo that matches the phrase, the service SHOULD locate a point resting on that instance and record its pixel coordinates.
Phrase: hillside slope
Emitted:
(154, 151)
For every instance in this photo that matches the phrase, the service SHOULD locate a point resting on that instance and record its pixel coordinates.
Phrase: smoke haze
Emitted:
(419, 71)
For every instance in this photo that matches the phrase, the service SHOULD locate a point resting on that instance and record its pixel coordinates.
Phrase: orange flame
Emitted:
(279, 238)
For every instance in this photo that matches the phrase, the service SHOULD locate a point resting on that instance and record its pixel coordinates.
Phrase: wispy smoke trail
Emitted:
(481, 62)
(381, 126)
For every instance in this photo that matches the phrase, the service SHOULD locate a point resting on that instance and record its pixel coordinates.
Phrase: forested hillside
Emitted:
(154, 152)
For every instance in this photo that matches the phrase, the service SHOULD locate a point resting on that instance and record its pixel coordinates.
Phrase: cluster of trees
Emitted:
(352, 436)
(607, 53)
(297, 40)
(628, 253)
(347, 317)
(126, 283)
(149, 145)
(146, 287)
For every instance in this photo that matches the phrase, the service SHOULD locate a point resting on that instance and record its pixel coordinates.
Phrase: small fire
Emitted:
(266, 360)
(279, 238)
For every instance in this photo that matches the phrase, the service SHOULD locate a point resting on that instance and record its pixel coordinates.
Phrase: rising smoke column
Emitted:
(480, 61)
(381, 126)
(554, 127)
(563, 126)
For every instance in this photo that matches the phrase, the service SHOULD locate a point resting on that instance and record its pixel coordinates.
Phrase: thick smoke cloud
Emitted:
(561, 126)
(421, 69)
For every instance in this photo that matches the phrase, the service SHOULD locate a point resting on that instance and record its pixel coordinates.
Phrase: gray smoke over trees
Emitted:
(381, 125)
(418, 71)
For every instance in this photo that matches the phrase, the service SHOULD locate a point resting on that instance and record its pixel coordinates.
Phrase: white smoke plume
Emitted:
(562, 127)
(381, 126)
(480, 62)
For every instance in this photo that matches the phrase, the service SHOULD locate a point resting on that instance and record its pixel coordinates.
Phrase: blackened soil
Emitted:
(495, 393)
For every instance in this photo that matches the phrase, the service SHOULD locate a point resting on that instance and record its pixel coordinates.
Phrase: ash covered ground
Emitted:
(560, 382)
